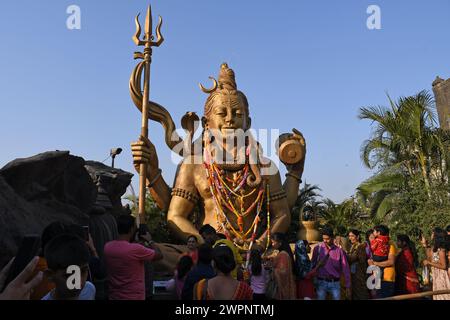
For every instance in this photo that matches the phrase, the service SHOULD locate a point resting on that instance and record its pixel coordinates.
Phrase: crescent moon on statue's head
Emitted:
(214, 87)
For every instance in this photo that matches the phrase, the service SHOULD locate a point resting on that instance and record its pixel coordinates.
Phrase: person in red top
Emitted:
(125, 262)
(380, 245)
(192, 244)
(406, 279)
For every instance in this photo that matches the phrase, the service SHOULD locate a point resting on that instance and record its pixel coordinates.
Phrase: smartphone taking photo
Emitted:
(29, 248)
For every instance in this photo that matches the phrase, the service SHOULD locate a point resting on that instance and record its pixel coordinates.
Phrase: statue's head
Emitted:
(226, 107)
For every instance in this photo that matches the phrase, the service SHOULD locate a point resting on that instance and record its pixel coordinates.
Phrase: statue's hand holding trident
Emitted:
(144, 151)
(144, 65)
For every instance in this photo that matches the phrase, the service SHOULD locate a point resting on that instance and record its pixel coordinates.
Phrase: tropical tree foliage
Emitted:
(406, 141)
(407, 151)
(308, 203)
(341, 217)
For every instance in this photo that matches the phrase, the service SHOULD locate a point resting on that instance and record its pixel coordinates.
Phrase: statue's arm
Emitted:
(184, 198)
(279, 208)
(291, 186)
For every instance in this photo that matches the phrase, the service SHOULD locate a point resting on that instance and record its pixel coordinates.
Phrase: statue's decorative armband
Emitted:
(185, 194)
(278, 195)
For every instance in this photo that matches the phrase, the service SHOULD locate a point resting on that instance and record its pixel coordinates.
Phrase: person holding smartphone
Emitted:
(125, 261)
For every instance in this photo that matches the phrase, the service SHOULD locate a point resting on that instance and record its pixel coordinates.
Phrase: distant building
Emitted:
(441, 89)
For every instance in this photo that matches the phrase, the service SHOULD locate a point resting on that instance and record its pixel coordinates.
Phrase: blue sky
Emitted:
(303, 64)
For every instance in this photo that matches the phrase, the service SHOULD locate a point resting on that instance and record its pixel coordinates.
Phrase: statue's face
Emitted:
(228, 112)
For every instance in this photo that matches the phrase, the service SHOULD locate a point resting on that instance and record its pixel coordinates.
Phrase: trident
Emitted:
(146, 56)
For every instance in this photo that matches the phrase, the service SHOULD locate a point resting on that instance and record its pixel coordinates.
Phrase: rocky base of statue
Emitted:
(57, 186)
(38, 190)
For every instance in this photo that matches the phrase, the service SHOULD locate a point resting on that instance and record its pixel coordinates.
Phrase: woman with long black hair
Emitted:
(176, 284)
(357, 258)
(283, 268)
(437, 260)
(406, 262)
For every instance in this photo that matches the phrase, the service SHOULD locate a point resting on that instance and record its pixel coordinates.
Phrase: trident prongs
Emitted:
(148, 37)
(137, 35)
(148, 25)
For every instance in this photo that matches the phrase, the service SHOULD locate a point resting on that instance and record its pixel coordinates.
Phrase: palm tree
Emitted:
(342, 216)
(307, 201)
(408, 153)
(379, 194)
(405, 137)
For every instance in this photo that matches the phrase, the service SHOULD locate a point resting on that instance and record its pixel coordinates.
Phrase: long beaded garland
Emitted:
(268, 217)
(222, 196)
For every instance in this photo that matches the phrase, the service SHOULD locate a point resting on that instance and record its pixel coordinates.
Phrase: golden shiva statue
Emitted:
(242, 198)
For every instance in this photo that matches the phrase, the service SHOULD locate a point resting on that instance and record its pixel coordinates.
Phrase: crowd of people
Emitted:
(357, 266)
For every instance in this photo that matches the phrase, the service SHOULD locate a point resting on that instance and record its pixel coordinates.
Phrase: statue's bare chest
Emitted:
(232, 189)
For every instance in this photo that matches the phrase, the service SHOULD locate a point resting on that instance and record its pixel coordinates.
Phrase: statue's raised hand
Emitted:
(144, 151)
